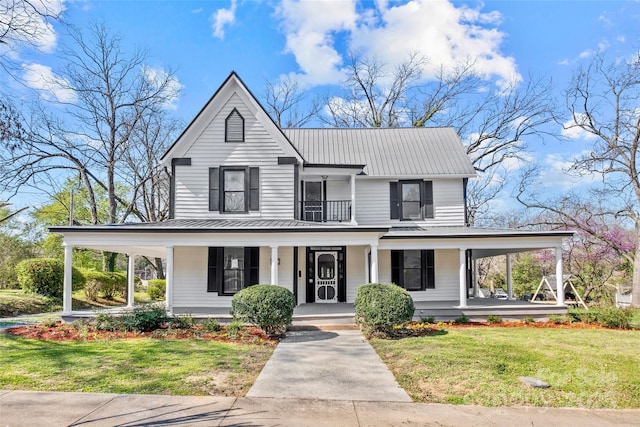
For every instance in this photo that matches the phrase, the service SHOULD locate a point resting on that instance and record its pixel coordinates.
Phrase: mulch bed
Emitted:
(61, 331)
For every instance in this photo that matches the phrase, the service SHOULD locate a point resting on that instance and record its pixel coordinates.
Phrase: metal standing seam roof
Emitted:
(385, 151)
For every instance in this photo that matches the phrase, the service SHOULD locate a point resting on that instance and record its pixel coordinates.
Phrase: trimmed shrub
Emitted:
(105, 284)
(608, 316)
(381, 306)
(267, 306)
(157, 288)
(45, 276)
(142, 319)
(494, 318)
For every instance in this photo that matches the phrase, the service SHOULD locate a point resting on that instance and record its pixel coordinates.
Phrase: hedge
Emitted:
(157, 288)
(105, 284)
(270, 307)
(381, 306)
(45, 276)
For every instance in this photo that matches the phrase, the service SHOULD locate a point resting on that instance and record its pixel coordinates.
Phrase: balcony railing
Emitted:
(325, 211)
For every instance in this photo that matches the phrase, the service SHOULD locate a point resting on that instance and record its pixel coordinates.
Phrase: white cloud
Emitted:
(49, 86)
(157, 76)
(556, 174)
(572, 130)
(437, 29)
(28, 23)
(222, 18)
(310, 29)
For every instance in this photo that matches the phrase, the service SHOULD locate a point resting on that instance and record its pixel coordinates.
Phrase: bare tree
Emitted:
(602, 100)
(374, 98)
(107, 95)
(285, 100)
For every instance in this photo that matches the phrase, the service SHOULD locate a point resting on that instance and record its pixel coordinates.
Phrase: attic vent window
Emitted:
(234, 127)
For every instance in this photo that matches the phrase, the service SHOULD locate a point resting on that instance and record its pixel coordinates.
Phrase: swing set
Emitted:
(549, 291)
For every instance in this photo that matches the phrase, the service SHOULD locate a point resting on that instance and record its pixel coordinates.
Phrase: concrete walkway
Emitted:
(328, 365)
(48, 409)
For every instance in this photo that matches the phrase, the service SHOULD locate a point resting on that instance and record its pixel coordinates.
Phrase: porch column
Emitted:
(374, 263)
(366, 265)
(274, 265)
(68, 281)
(509, 278)
(353, 198)
(169, 281)
(475, 279)
(131, 272)
(463, 277)
(559, 278)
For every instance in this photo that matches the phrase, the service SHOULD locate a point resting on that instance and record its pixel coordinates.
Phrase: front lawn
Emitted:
(140, 365)
(15, 302)
(590, 368)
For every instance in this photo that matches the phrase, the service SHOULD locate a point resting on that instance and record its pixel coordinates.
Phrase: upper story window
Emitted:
(234, 189)
(234, 127)
(411, 200)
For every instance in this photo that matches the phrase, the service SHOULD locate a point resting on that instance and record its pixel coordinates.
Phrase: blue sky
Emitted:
(204, 40)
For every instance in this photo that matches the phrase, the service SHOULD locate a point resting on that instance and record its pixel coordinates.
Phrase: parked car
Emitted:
(500, 294)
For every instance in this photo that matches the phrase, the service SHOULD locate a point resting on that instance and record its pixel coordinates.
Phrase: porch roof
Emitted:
(420, 232)
(220, 225)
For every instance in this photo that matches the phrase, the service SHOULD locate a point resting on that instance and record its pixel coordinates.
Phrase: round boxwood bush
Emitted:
(270, 307)
(157, 288)
(381, 306)
(45, 276)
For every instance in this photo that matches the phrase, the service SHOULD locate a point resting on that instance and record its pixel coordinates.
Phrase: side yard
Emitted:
(590, 368)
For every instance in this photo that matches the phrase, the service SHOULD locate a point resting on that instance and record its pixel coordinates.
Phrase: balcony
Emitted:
(325, 211)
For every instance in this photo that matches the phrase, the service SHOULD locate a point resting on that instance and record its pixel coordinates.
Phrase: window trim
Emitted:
(215, 268)
(251, 189)
(427, 269)
(245, 170)
(427, 210)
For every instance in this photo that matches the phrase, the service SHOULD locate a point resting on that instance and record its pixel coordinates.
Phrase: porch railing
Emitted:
(325, 211)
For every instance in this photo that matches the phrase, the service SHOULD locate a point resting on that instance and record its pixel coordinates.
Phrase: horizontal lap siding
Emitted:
(355, 271)
(447, 276)
(372, 203)
(210, 150)
(190, 276)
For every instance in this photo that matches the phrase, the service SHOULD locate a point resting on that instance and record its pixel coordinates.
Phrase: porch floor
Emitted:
(343, 313)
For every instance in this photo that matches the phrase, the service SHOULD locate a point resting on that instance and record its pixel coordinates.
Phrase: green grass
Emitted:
(15, 302)
(585, 368)
(80, 301)
(143, 365)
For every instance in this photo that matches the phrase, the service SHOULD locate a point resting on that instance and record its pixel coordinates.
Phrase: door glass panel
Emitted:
(313, 191)
(326, 267)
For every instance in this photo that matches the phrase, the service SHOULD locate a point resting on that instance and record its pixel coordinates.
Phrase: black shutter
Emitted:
(427, 199)
(394, 210)
(311, 274)
(428, 269)
(214, 189)
(252, 266)
(254, 189)
(396, 267)
(342, 280)
(214, 269)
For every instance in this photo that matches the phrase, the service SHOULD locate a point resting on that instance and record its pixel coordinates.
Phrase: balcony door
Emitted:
(313, 198)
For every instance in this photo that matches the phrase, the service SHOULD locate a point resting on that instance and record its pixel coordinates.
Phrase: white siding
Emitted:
(447, 276)
(210, 150)
(190, 276)
(338, 190)
(355, 271)
(372, 203)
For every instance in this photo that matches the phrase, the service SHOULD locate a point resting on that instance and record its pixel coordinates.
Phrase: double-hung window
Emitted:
(411, 200)
(413, 270)
(231, 269)
(234, 189)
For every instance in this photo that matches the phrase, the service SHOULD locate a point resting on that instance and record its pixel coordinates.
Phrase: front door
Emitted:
(326, 280)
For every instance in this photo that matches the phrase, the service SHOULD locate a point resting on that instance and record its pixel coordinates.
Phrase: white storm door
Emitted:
(326, 277)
